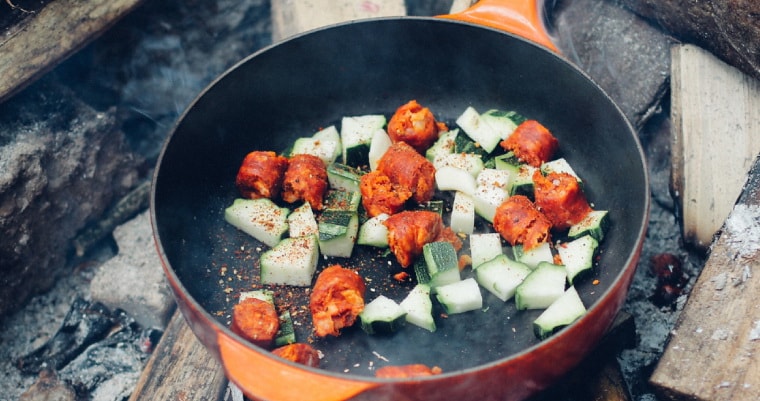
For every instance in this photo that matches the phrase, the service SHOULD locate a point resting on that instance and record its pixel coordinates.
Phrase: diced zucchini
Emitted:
(501, 276)
(522, 182)
(559, 166)
(337, 232)
(343, 177)
(324, 144)
(377, 147)
(292, 261)
(301, 221)
(454, 179)
(544, 285)
(260, 218)
(461, 296)
(336, 199)
(444, 145)
(491, 191)
(419, 307)
(441, 264)
(484, 247)
(382, 315)
(466, 145)
(469, 162)
(462, 213)
(478, 130)
(356, 136)
(561, 313)
(541, 253)
(263, 295)
(508, 161)
(578, 256)
(503, 122)
(594, 224)
(373, 232)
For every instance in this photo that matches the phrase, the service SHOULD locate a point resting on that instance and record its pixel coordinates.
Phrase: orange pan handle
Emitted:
(521, 17)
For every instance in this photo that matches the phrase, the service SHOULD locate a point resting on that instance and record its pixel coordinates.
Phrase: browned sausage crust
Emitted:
(256, 320)
(261, 174)
(336, 300)
(306, 180)
(409, 169)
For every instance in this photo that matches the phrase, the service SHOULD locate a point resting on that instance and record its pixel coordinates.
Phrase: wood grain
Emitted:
(180, 369)
(716, 122)
(712, 353)
(42, 41)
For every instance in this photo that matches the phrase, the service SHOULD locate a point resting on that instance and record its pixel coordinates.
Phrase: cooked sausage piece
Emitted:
(414, 125)
(305, 179)
(409, 169)
(532, 143)
(380, 195)
(300, 353)
(403, 371)
(260, 175)
(560, 198)
(519, 222)
(410, 230)
(255, 320)
(336, 300)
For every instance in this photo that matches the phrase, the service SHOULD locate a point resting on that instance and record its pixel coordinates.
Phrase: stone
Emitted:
(56, 174)
(133, 280)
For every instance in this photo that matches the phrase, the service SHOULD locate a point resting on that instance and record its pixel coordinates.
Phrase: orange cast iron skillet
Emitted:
(292, 89)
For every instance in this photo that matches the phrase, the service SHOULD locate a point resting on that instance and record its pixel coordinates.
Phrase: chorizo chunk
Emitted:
(380, 195)
(519, 222)
(261, 174)
(532, 143)
(414, 125)
(300, 353)
(404, 371)
(560, 198)
(410, 170)
(256, 321)
(336, 300)
(305, 179)
(409, 231)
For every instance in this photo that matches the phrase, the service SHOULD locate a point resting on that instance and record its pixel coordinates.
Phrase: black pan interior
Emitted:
(299, 86)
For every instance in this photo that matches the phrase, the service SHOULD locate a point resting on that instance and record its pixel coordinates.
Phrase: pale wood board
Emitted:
(180, 368)
(716, 135)
(713, 351)
(42, 41)
(290, 17)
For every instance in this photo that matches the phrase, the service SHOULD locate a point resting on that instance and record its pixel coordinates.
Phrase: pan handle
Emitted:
(522, 17)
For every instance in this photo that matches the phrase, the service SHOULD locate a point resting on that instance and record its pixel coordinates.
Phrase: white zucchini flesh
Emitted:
(378, 146)
(301, 221)
(594, 224)
(450, 178)
(292, 261)
(444, 145)
(374, 232)
(357, 131)
(469, 162)
(534, 256)
(461, 296)
(382, 315)
(334, 243)
(491, 191)
(260, 218)
(325, 144)
(484, 247)
(462, 213)
(578, 255)
(419, 307)
(565, 310)
(479, 131)
(500, 122)
(541, 287)
(501, 276)
(558, 166)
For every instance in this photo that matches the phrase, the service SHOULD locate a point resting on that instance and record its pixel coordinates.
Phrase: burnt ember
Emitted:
(671, 279)
(85, 324)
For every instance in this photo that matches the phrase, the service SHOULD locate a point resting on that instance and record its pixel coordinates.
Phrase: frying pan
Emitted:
(305, 83)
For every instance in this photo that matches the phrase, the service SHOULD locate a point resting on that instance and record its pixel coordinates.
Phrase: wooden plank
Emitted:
(180, 368)
(712, 353)
(42, 41)
(290, 17)
(716, 120)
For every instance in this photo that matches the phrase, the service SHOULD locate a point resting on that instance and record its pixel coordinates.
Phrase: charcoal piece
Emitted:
(84, 324)
(49, 387)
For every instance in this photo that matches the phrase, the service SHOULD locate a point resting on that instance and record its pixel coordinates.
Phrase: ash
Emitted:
(148, 68)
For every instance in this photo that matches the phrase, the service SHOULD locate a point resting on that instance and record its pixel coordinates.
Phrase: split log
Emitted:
(730, 29)
(712, 351)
